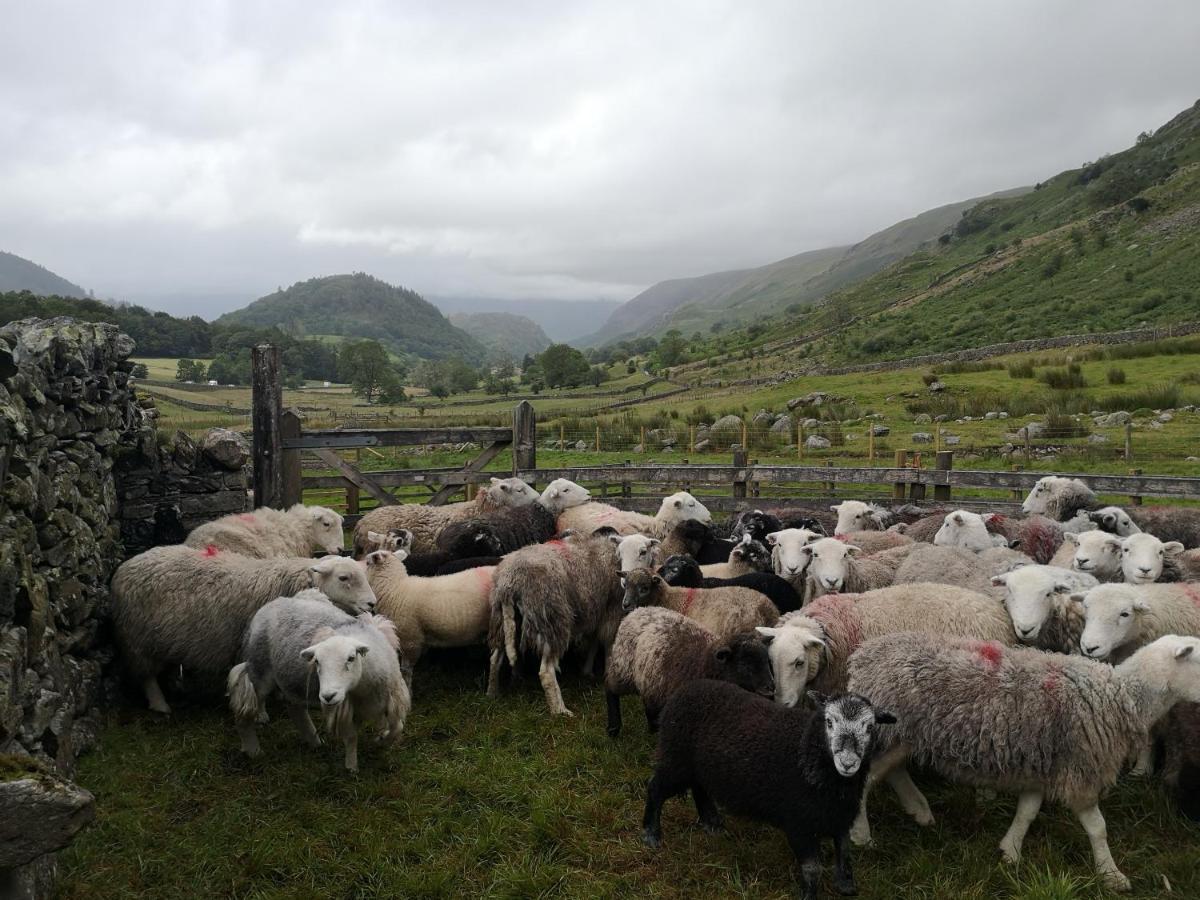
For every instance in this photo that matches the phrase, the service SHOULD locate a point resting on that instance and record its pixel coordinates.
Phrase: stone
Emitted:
(812, 423)
(880, 430)
(1113, 419)
(922, 419)
(922, 437)
(39, 812)
(1097, 438)
(1165, 417)
(991, 415)
(639, 448)
(581, 445)
(730, 423)
(816, 442)
(936, 387)
(1155, 425)
(1032, 430)
(702, 446)
(951, 440)
(782, 425)
(1002, 414)
(762, 418)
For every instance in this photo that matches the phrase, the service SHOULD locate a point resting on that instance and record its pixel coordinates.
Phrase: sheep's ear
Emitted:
(1062, 587)
(1078, 597)
(767, 634)
(614, 538)
(836, 508)
(308, 653)
(773, 538)
(852, 550)
(361, 649)
(495, 481)
(883, 717)
(1014, 543)
(404, 536)
(375, 537)
(958, 519)
(817, 699)
(679, 504)
(1185, 651)
(1140, 606)
(324, 566)
(1172, 548)
(401, 554)
(999, 580)
(724, 653)
(746, 538)
(653, 542)
(1071, 537)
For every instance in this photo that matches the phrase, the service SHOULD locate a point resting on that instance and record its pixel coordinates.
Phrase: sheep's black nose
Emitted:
(328, 696)
(1092, 649)
(1144, 570)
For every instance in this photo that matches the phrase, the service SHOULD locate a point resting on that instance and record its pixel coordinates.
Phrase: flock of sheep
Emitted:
(1038, 654)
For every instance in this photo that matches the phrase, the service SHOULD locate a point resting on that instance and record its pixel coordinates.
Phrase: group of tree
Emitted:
(561, 366)
(444, 377)
(189, 370)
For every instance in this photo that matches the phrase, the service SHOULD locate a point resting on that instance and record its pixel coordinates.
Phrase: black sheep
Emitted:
(683, 571)
(697, 539)
(758, 524)
(519, 526)
(469, 562)
(720, 742)
(463, 539)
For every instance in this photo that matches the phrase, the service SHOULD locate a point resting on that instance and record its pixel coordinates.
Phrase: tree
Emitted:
(563, 366)
(368, 370)
(672, 348)
(140, 371)
(596, 376)
(189, 370)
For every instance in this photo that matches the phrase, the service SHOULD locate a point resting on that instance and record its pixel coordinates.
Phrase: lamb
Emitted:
(724, 611)
(187, 607)
(564, 591)
(1119, 618)
(796, 645)
(267, 533)
(656, 651)
(1181, 766)
(802, 771)
(442, 611)
(587, 517)
(1169, 523)
(1038, 600)
(748, 556)
(848, 620)
(683, 571)
(426, 522)
(1095, 552)
(1051, 725)
(358, 673)
(1059, 498)
(834, 567)
(951, 565)
(1145, 559)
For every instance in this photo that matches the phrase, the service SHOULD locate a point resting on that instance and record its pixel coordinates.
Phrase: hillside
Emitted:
(562, 320)
(503, 334)
(742, 297)
(17, 274)
(361, 306)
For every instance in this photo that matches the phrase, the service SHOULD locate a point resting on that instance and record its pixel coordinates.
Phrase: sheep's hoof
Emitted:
(1009, 853)
(924, 818)
(845, 885)
(861, 837)
(564, 712)
(1116, 881)
(160, 708)
(651, 840)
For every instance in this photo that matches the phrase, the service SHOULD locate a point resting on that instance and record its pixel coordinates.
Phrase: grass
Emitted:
(494, 799)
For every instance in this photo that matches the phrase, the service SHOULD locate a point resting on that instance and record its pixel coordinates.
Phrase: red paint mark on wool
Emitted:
(1192, 594)
(837, 614)
(1053, 678)
(559, 547)
(843, 537)
(248, 518)
(688, 600)
(990, 652)
(210, 551)
(484, 574)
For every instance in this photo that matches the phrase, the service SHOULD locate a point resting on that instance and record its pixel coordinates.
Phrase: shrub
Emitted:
(1022, 369)
(1116, 375)
(1060, 426)
(1158, 396)
(929, 378)
(1066, 379)
(1053, 265)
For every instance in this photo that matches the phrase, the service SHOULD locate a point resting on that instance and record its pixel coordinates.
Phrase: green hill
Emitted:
(504, 334)
(359, 306)
(17, 274)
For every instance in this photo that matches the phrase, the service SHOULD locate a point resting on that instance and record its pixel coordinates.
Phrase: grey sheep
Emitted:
(314, 654)
(188, 607)
(953, 565)
(1060, 499)
(1043, 725)
(657, 651)
(268, 532)
(725, 611)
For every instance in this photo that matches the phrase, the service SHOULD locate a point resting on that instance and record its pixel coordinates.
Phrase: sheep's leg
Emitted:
(1144, 766)
(860, 832)
(843, 874)
(614, 713)
(249, 737)
(1093, 823)
(351, 743)
(304, 724)
(1028, 805)
(652, 719)
(549, 680)
(493, 685)
(154, 695)
(706, 809)
(808, 855)
(912, 801)
(589, 661)
(657, 793)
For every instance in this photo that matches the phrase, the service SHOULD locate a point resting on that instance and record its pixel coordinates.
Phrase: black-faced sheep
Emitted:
(657, 651)
(747, 556)
(1043, 725)
(354, 660)
(758, 524)
(463, 539)
(724, 611)
(683, 571)
(799, 770)
(267, 532)
(1121, 617)
(514, 527)
(188, 607)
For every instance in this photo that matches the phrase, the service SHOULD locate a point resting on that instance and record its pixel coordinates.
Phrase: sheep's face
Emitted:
(1096, 552)
(344, 582)
(477, 539)
(1114, 520)
(755, 523)
(854, 515)
(326, 529)
(797, 653)
(1181, 656)
(964, 529)
(752, 554)
(1143, 555)
(510, 492)
(391, 541)
(851, 723)
(338, 661)
(745, 662)
(641, 586)
(1031, 592)
(680, 571)
(562, 493)
(788, 554)
(828, 564)
(1110, 618)
(681, 507)
(636, 551)
(1038, 500)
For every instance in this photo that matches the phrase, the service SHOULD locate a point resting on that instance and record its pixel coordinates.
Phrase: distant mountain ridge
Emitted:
(19, 274)
(562, 320)
(504, 334)
(361, 306)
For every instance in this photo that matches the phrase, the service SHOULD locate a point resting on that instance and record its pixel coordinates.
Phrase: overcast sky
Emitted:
(168, 152)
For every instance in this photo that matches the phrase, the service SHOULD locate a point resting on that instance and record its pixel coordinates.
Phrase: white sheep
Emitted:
(1059, 498)
(796, 646)
(1118, 618)
(268, 532)
(563, 494)
(1144, 559)
(1038, 600)
(967, 530)
(587, 517)
(1096, 552)
(834, 567)
(354, 660)
(952, 565)
(854, 515)
(788, 558)
(636, 551)
(1041, 724)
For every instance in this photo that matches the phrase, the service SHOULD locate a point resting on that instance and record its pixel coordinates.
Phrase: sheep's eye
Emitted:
(349, 659)
(343, 578)
(1125, 615)
(828, 722)
(799, 663)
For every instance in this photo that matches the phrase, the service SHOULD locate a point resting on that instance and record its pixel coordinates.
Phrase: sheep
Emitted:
(564, 591)
(515, 527)
(1038, 537)
(1096, 552)
(1118, 618)
(787, 556)
(1059, 498)
(1169, 523)
(188, 607)
(849, 619)
(463, 539)
(802, 771)
(855, 515)
(636, 551)
(267, 533)
(758, 524)
(834, 566)
(746, 557)
(354, 659)
(724, 611)
(442, 611)
(871, 542)
(1038, 600)
(426, 522)
(1145, 559)
(683, 571)
(1041, 724)
(469, 562)
(967, 530)
(656, 651)
(587, 517)
(1114, 520)
(796, 645)
(952, 565)
(1181, 765)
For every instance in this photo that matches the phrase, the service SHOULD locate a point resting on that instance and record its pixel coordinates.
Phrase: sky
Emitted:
(194, 156)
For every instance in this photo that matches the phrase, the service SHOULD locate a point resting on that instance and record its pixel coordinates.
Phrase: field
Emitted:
(494, 799)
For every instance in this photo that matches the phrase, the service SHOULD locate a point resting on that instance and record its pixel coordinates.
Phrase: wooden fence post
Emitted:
(352, 499)
(524, 439)
(1128, 441)
(597, 437)
(898, 487)
(1134, 499)
(739, 487)
(266, 391)
(292, 491)
(943, 462)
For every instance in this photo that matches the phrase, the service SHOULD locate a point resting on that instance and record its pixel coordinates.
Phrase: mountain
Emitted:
(562, 320)
(360, 306)
(744, 296)
(504, 334)
(17, 274)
